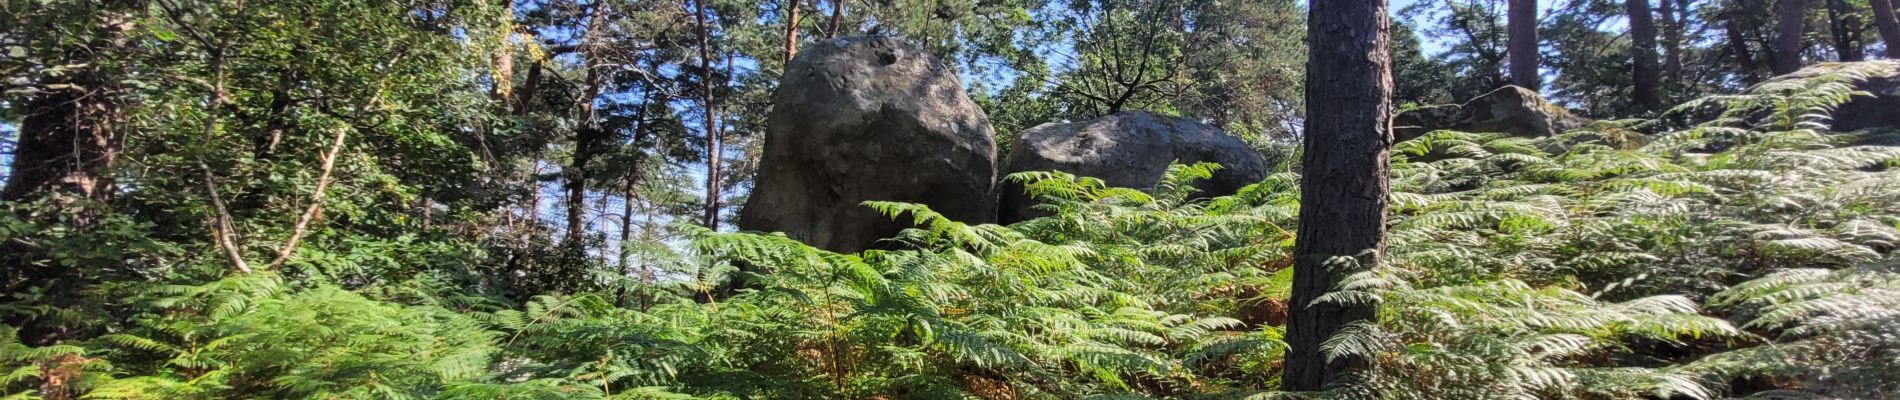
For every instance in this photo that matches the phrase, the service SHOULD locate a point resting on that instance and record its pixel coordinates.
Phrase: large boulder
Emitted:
(1127, 149)
(869, 118)
(1509, 110)
(1862, 112)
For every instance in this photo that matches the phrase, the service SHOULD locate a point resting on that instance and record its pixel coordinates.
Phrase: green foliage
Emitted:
(1830, 332)
(1743, 249)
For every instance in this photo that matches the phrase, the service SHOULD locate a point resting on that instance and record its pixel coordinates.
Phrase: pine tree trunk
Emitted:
(1845, 27)
(1789, 29)
(1889, 25)
(791, 31)
(1522, 44)
(837, 18)
(1643, 42)
(587, 135)
(631, 185)
(1673, 23)
(1738, 47)
(1344, 184)
(710, 123)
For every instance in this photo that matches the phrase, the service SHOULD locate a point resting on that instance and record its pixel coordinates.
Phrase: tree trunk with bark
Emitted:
(1738, 47)
(70, 134)
(1673, 24)
(710, 123)
(1522, 44)
(630, 185)
(1344, 183)
(588, 136)
(67, 145)
(791, 31)
(837, 18)
(1792, 24)
(1646, 73)
(1845, 27)
(1888, 24)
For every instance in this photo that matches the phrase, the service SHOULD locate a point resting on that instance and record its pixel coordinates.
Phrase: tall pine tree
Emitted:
(1344, 186)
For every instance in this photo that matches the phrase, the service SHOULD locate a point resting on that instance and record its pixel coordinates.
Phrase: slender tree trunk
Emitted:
(837, 18)
(711, 124)
(1344, 184)
(1845, 27)
(312, 210)
(1674, 22)
(1789, 29)
(1643, 40)
(280, 118)
(525, 97)
(587, 134)
(524, 100)
(1889, 25)
(791, 31)
(1738, 46)
(629, 189)
(630, 186)
(1522, 44)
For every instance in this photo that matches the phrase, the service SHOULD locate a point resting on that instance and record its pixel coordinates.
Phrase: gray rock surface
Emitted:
(869, 118)
(1127, 149)
(1880, 110)
(1510, 110)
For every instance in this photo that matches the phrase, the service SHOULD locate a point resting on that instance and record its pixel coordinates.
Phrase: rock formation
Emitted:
(1127, 149)
(869, 118)
(1862, 112)
(1510, 110)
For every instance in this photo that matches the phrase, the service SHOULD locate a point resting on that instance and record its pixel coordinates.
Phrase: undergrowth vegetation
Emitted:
(1747, 254)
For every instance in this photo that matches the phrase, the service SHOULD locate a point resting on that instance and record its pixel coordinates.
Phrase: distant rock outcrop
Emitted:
(1880, 110)
(1509, 110)
(1127, 149)
(869, 118)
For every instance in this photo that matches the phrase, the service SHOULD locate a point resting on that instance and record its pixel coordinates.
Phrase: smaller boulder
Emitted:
(1127, 149)
(1882, 109)
(1509, 110)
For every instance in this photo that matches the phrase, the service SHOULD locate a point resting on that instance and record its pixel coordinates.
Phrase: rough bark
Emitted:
(1522, 44)
(1646, 72)
(1344, 183)
(1889, 25)
(1792, 24)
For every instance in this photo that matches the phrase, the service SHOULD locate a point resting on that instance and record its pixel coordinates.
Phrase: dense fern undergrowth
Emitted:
(1747, 254)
